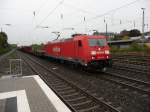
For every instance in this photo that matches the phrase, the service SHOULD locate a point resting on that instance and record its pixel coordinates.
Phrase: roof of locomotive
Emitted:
(89, 36)
(77, 37)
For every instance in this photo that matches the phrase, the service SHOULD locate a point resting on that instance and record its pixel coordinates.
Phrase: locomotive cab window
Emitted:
(97, 42)
(79, 43)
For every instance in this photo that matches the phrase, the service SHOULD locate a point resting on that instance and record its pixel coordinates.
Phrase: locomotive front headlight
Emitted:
(93, 52)
(107, 52)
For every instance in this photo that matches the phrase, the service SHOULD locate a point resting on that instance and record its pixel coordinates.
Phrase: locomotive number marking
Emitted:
(56, 49)
(100, 52)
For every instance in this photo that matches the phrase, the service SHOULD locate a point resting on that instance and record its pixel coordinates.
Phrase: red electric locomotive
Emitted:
(90, 51)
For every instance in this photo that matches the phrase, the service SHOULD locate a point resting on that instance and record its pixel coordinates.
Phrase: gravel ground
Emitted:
(125, 99)
(130, 101)
(5, 66)
(133, 66)
(134, 75)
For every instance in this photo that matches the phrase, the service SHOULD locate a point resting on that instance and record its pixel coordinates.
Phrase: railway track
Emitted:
(77, 98)
(132, 68)
(134, 84)
(137, 59)
(144, 56)
(133, 61)
(130, 83)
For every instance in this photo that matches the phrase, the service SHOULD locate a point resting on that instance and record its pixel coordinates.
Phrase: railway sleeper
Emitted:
(81, 103)
(61, 86)
(76, 99)
(56, 84)
(63, 89)
(67, 92)
(134, 81)
(129, 86)
(141, 86)
(57, 81)
(90, 109)
(71, 95)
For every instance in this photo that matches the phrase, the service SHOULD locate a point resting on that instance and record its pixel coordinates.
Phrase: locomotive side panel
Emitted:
(68, 50)
(53, 50)
(81, 50)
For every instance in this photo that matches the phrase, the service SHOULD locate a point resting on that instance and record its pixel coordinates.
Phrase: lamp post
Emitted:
(5, 25)
(143, 22)
(42, 27)
(69, 28)
(106, 29)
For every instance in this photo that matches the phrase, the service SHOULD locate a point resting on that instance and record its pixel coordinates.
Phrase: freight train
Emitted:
(87, 50)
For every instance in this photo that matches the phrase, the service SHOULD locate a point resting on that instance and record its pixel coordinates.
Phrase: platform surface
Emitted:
(28, 94)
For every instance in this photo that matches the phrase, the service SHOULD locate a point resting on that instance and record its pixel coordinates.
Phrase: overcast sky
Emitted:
(61, 15)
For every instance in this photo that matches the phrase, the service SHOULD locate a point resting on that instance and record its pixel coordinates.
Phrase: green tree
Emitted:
(124, 33)
(125, 38)
(116, 37)
(96, 33)
(134, 33)
(3, 40)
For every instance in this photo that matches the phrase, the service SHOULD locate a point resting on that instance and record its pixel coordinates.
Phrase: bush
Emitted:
(135, 47)
(114, 49)
(4, 50)
(146, 49)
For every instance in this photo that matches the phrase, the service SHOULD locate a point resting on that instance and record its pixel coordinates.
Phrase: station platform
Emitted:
(28, 94)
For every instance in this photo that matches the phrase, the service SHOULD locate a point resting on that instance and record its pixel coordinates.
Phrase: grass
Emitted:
(133, 48)
(4, 50)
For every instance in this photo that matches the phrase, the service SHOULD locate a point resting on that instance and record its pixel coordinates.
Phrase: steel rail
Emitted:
(131, 69)
(73, 85)
(128, 82)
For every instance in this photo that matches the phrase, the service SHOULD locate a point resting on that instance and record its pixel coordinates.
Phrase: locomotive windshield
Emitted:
(97, 42)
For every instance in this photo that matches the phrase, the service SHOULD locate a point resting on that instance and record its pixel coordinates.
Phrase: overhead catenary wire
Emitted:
(40, 7)
(51, 12)
(114, 10)
(133, 23)
(96, 16)
(15, 9)
(79, 9)
(108, 12)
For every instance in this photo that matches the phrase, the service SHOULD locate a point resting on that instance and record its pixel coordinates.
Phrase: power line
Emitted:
(82, 10)
(79, 9)
(111, 11)
(15, 9)
(61, 2)
(114, 10)
(41, 6)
